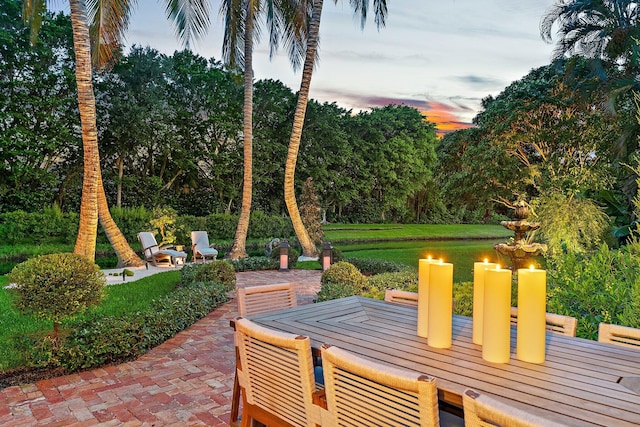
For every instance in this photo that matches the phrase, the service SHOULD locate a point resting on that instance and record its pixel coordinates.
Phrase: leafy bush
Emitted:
(130, 221)
(56, 286)
(463, 297)
(188, 273)
(262, 226)
(596, 287)
(329, 291)
(217, 271)
(255, 263)
(49, 226)
(406, 280)
(376, 266)
(293, 255)
(337, 255)
(341, 280)
(96, 341)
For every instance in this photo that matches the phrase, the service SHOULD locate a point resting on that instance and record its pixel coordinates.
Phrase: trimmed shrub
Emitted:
(463, 296)
(329, 291)
(56, 286)
(406, 280)
(340, 280)
(255, 263)
(376, 266)
(188, 273)
(217, 271)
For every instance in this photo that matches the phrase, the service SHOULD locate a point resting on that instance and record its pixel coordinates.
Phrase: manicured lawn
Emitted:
(341, 233)
(129, 297)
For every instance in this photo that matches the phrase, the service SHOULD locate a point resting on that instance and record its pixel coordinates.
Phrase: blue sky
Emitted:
(441, 56)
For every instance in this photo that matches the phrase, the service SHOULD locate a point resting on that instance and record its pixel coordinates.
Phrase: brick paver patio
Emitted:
(187, 380)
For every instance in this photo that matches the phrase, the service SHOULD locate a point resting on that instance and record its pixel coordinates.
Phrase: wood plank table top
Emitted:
(581, 382)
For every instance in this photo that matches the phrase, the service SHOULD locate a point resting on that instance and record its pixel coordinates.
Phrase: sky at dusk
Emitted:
(440, 56)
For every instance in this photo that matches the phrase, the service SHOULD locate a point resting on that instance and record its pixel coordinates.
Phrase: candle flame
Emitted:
(486, 260)
(429, 257)
(498, 267)
(441, 261)
(531, 267)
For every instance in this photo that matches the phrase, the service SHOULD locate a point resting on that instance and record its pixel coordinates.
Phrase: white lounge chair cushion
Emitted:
(206, 251)
(172, 253)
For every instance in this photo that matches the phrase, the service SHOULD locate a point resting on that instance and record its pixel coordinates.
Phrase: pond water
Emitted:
(461, 253)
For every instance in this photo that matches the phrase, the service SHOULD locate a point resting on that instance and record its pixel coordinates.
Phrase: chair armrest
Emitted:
(166, 247)
(320, 398)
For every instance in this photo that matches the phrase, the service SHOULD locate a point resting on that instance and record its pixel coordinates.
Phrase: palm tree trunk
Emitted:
(238, 250)
(126, 256)
(308, 248)
(88, 228)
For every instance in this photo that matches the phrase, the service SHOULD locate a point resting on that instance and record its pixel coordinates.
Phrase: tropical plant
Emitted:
(597, 29)
(313, 34)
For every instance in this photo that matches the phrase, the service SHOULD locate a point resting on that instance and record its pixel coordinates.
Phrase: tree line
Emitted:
(170, 133)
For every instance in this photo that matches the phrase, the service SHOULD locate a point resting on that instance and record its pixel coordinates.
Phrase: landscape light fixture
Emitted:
(327, 255)
(284, 256)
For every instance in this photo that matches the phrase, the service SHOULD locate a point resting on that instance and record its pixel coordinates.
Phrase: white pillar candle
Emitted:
(532, 325)
(440, 305)
(496, 330)
(478, 297)
(423, 295)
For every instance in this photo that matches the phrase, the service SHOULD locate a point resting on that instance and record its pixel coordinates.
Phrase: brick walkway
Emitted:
(185, 381)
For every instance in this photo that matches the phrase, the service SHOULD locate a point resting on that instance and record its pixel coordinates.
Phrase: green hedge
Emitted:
(96, 341)
(53, 226)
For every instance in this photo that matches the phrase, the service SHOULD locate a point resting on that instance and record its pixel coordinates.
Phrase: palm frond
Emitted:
(109, 22)
(233, 14)
(190, 17)
(33, 12)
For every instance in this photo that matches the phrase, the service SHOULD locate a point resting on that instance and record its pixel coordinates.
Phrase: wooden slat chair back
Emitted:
(556, 323)
(276, 373)
(360, 392)
(619, 335)
(256, 300)
(262, 299)
(401, 297)
(483, 411)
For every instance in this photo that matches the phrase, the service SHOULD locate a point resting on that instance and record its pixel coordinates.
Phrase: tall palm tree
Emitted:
(110, 20)
(360, 7)
(597, 29)
(286, 20)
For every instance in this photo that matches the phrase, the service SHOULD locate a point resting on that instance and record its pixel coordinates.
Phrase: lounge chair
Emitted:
(153, 253)
(201, 247)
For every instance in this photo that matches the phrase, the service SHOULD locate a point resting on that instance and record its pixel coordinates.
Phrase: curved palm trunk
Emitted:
(238, 250)
(126, 256)
(88, 228)
(308, 248)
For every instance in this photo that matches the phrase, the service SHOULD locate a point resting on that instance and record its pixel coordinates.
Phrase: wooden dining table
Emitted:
(581, 382)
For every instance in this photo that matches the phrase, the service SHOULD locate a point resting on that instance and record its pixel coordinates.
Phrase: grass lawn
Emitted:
(343, 233)
(123, 298)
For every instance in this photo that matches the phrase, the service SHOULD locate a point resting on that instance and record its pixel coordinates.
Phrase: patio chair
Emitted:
(619, 335)
(200, 246)
(481, 410)
(153, 253)
(264, 298)
(256, 300)
(276, 374)
(361, 392)
(401, 297)
(556, 323)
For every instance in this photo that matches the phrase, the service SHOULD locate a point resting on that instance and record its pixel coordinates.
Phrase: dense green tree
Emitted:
(37, 109)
